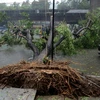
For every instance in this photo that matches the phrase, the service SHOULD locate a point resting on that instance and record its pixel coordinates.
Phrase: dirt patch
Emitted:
(50, 79)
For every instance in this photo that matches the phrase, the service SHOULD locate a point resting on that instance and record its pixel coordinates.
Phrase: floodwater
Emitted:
(88, 61)
(12, 55)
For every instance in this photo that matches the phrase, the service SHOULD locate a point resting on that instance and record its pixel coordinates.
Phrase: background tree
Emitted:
(3, 18)
(26, 5)
(63, 5)
(84, 4)
(14, 6)
(41, 4)
(74, 4)
(3, 6)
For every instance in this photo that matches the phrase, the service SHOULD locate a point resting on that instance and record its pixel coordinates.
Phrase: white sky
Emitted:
(19, 1)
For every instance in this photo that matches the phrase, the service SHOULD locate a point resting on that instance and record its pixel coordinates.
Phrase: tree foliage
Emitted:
(91, 38)
(3, 6)
(26, 5)
(40, 5)
(63, 5)
(14, 6)
(45, 4)
(36, 5)
(67, 46)
(74, 4)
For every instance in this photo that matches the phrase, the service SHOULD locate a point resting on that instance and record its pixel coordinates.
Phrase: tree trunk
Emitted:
(31, 45)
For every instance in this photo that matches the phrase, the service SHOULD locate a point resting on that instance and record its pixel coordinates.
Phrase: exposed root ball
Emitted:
(56, 78)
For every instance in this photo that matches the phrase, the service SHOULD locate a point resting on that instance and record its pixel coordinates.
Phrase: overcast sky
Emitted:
(11, 1)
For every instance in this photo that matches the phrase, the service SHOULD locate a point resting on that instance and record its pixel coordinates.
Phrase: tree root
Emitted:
(56, 78)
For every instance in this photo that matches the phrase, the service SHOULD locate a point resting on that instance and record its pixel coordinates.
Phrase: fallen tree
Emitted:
(46, 50)
(49, 79)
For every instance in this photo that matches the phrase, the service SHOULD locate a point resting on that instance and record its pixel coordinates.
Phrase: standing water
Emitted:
(12, 55)
(88, 61)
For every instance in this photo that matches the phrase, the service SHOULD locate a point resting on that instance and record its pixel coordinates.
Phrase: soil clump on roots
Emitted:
(49, 79)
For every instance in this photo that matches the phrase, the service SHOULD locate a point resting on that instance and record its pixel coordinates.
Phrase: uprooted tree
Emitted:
(62, 36)
(51, 77)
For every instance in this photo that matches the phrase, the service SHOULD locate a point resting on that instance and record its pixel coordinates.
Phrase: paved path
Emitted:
(17, 94)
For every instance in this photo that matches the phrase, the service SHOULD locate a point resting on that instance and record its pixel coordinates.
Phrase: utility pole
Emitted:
(53, 10)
